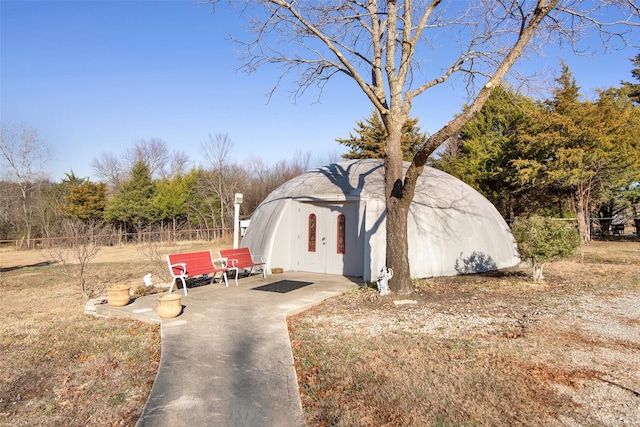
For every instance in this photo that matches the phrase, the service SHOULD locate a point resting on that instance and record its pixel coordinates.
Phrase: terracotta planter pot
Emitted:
(118, 295)
(169, 306)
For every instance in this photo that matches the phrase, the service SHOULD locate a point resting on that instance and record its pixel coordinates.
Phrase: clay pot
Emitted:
(169, 306)
(118, 295)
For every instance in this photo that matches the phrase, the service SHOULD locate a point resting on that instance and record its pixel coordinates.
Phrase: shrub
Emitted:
(544, 239)
(143, 290)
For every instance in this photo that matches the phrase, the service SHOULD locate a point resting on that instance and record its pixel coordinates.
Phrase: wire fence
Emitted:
(121, 239)
(607, 228)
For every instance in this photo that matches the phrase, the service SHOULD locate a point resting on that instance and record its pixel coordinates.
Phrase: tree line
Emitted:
(563, 156)
(148, 188)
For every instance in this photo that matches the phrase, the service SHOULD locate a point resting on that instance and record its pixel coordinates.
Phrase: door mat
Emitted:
(283, 286)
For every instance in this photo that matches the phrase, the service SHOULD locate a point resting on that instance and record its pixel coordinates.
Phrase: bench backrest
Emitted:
(198, 263)
(241, 255)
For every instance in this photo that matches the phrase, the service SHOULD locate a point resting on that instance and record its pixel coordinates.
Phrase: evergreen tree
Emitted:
(580, 149)
(203, 208)
(170, 200)
(562, 156)
(634, 88)
(132, 206)
(482, 153)
(552, 125)
(85, 200)
(371, 136)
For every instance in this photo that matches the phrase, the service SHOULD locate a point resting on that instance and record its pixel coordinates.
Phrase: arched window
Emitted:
(311, 237)
(341, 234)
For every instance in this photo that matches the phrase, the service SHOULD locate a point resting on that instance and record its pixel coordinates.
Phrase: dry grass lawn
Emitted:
(60, 367)
(485, 350)
(494, 350)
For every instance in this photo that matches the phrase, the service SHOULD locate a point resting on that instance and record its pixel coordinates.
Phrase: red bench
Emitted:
(241, 259)
(192, 264)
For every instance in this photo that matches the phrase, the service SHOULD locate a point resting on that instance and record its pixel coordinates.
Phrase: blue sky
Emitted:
(95, 76)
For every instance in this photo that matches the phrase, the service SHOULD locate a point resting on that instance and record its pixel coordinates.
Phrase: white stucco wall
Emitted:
(452, 228)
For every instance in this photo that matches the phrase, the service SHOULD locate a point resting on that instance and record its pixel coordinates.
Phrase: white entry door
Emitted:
(328, 239)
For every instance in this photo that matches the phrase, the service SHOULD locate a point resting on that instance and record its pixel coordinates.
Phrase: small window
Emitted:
(311, 239)
(341, 234)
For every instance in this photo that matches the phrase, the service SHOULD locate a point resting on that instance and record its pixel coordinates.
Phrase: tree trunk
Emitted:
(173, 238)
(582, 215)
(605, 226)
(398, 202)
(398, 248)
(537, 272)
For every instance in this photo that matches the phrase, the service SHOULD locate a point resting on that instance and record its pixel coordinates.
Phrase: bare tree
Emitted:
(154, 152)
(163, 163)
(10, 210)
(225, 177)
(178, 163)
(262, 179)
(76, 252)
(23, 155)
(387, 49)
(110, 168)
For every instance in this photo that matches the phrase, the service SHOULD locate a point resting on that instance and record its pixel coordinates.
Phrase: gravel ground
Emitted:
(586, 347)
(612, 395)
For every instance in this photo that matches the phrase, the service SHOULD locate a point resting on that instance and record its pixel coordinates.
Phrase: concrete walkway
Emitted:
(227, 360)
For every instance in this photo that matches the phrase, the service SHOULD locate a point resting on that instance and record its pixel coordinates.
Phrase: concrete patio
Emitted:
(226, 360)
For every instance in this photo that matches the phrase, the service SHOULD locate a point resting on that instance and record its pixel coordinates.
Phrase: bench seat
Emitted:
(241, 259)
(193, 264)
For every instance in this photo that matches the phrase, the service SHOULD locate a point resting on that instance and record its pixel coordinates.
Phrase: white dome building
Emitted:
(332, 220)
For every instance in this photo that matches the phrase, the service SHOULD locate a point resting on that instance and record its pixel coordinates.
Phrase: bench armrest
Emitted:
(233, 262)
(221, 262)
(182, 267)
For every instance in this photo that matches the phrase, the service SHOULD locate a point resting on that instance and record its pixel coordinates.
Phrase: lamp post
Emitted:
(236, 218)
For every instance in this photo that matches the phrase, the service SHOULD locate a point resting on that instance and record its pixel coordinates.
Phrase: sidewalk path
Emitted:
(227, 359)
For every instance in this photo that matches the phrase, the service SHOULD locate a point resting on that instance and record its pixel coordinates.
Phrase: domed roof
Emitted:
(364, 178)
(452, 228)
